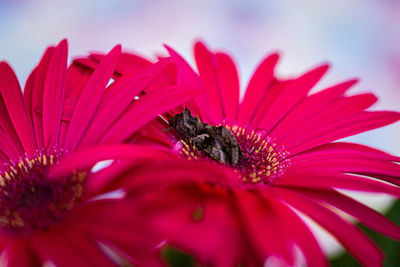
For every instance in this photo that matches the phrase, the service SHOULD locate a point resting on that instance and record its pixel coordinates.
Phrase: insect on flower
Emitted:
(219, 143)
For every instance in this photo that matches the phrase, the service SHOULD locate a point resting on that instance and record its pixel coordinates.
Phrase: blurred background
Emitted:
(360, 38)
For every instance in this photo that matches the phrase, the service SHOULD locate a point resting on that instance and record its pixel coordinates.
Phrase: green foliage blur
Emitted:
(174, 257)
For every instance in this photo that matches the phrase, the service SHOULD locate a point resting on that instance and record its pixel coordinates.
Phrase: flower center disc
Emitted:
(260, 159)
(30, 199)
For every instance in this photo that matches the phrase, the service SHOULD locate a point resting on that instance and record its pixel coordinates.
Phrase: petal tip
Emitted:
(324, 67)
(200, 47)
(169, 49)
(274, 57)
(63, 47)
(352, 82)
(116, 49)
(63, 42)
(199, 43)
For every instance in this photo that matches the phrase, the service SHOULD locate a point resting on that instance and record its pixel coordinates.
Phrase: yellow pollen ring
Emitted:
(24, 183)
(261, 160)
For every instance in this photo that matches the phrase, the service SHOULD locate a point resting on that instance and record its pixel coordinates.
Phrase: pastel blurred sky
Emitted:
(361, 38)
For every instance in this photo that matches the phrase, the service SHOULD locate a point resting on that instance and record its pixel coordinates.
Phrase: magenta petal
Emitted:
(258, 87)
(187, 76)
(308, 108)
(335, 164)
(266, 101)
(329, 181)
(120, 226)
(357, 123)
(344, 150)
(18, 253)
(364, 214)
(229, 86)
(76, 80)
(263, 227)
(217, 243)
(9, 130)
(127, 64)
(30, 82)
(87, 63)
(102, 181)
(207, 66)
(37, 95)
(87, 249)
(54, 247)
(14, 101)
(118, 100)
(90, 98)
(288, 98)
(8, 147)
(147, 108)
(53, 94)
(86, 158)
(355, 241)
(168, 169)
(143, 80)
(339, 109)
(300, 233)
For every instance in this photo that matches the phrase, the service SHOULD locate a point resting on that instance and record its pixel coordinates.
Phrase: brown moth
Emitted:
(219, 143)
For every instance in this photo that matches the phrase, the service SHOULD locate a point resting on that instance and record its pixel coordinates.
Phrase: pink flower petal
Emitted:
(364, 214)
(308, 108)
(264, 228)
(216, 242)
(355, 241)
(123, 95)
(8, 147)
(76, 80)
(187, 76)
(266, 101)
(145, 109)
(300, 233)
(128, 63)
(114, 224)
(207, 66)
(291, 96)
(258, 88)
(30, 82)
(342, 181)
(86, 157)
(18, 253)
(344, 150)
(53, 94)
(55, 248)
(90, 98)
(37, 95)
(9, 131)
(14, 101)
(229, 86)
(335, 164)
(351, 125)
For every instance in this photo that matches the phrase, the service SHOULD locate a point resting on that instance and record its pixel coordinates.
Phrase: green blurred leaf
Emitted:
(174, 257)
(390, 247)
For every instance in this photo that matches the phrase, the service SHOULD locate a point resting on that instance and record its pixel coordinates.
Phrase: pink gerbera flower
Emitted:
(278, 144)
(285, 163)
(58, 219)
